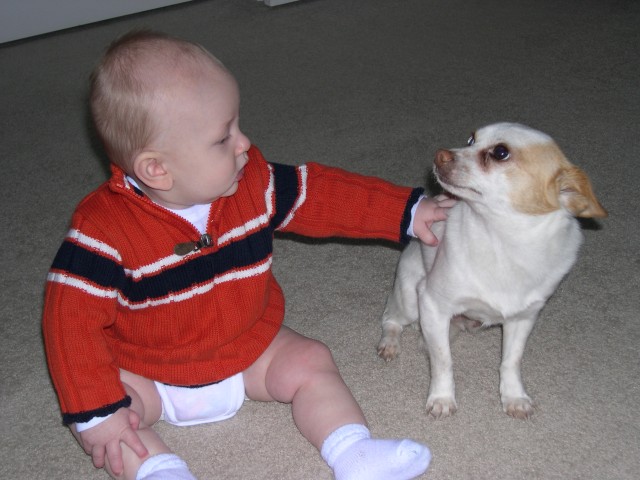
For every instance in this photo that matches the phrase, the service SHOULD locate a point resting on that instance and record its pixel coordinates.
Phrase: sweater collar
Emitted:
(119, 182)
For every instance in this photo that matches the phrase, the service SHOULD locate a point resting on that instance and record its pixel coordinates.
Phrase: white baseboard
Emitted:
(26, 18)
(273, 3)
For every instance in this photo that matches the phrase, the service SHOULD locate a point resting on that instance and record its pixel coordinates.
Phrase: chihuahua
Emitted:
(504, 248)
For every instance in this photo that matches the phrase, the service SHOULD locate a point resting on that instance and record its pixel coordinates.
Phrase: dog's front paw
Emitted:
(441, 407)
(389, 347)
(519, 407)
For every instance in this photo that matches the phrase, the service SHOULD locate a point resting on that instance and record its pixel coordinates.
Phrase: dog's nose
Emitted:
(443, 156)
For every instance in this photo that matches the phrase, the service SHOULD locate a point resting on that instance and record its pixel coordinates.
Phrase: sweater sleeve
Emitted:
(323, 201)
(80, 303)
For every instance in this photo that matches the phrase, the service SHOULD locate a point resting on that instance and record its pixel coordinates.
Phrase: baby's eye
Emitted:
(472, 140)
(500, 152)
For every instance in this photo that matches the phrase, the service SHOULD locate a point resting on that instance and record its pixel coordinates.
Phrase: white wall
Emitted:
(25, 18)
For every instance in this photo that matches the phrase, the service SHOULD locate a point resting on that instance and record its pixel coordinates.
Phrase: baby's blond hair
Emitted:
(125, 84)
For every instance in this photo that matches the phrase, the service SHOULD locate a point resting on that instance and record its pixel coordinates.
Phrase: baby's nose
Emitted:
(243, 144)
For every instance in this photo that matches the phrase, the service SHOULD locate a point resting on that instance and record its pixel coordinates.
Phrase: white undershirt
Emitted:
(197, 215)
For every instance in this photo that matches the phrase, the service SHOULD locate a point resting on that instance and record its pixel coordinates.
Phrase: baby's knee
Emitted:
(315, 356)
(145, 399)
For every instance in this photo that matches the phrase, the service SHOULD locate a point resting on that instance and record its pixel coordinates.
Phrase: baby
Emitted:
(161, 302)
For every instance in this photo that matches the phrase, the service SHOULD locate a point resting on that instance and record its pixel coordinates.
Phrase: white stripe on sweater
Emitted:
(239, 274)
(93, 244)
(301, 197)
(82, 285)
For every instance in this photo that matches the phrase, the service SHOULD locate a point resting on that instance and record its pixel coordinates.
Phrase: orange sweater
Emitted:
(118, 296)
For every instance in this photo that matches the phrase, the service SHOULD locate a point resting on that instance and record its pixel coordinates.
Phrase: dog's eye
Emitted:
(500, 152)
(472, 140)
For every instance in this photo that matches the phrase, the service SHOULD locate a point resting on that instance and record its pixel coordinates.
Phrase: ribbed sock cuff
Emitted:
(341, 439)
(164, 466)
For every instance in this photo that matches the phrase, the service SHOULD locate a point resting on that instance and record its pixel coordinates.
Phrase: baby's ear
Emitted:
(576, 194)
(150, 170)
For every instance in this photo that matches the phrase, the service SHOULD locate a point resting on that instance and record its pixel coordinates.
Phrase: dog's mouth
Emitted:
(453, 188)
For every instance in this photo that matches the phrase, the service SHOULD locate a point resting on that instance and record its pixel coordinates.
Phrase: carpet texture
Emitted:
(376, 87)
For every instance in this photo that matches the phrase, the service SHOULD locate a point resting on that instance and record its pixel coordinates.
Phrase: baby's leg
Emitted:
(301, 371)
(161, 463)
(298, 370)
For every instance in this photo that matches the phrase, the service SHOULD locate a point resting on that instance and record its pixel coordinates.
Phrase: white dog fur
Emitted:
(503, 250)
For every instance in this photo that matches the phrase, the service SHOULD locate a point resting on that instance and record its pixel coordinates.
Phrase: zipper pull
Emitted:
(183, 248)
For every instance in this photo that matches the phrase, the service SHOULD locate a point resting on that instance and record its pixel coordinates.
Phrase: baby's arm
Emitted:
(312, 200)
(102, 441)
(428, 211)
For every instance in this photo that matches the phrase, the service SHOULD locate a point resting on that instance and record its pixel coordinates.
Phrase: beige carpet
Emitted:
(375, 86)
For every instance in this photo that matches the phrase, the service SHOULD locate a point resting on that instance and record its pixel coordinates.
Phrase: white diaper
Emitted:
(212, 403)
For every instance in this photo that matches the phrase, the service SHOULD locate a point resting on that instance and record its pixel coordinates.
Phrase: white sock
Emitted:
(354, 455)
(165, 466)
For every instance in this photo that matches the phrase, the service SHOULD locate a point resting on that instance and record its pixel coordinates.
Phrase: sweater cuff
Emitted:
(84, 417)
(407, 217)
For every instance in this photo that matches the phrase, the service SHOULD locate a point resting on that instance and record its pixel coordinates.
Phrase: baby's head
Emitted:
(127, 84)
(164, 108)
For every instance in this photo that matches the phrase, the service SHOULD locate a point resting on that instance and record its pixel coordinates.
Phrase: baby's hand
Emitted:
(103, 440)
(430, 210)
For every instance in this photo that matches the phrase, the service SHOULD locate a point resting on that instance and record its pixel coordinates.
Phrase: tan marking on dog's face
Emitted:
(543, 180)
(533, 175)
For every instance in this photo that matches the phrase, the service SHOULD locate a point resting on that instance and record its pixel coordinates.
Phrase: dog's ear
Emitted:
(576, 194)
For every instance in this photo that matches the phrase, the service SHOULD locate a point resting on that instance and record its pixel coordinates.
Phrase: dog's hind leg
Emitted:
(394, 319)
(402, 304)
(389, 345)
(460, 323)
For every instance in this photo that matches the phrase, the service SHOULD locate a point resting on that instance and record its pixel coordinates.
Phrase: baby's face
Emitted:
(199, 135)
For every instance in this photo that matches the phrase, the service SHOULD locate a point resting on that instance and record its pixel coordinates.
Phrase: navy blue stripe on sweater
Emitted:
(82, 417)
(202, 268)
(287, 189)
(81, 262)
(77, 261)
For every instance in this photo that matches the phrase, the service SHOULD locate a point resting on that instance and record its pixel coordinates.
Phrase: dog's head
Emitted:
(514, 167)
